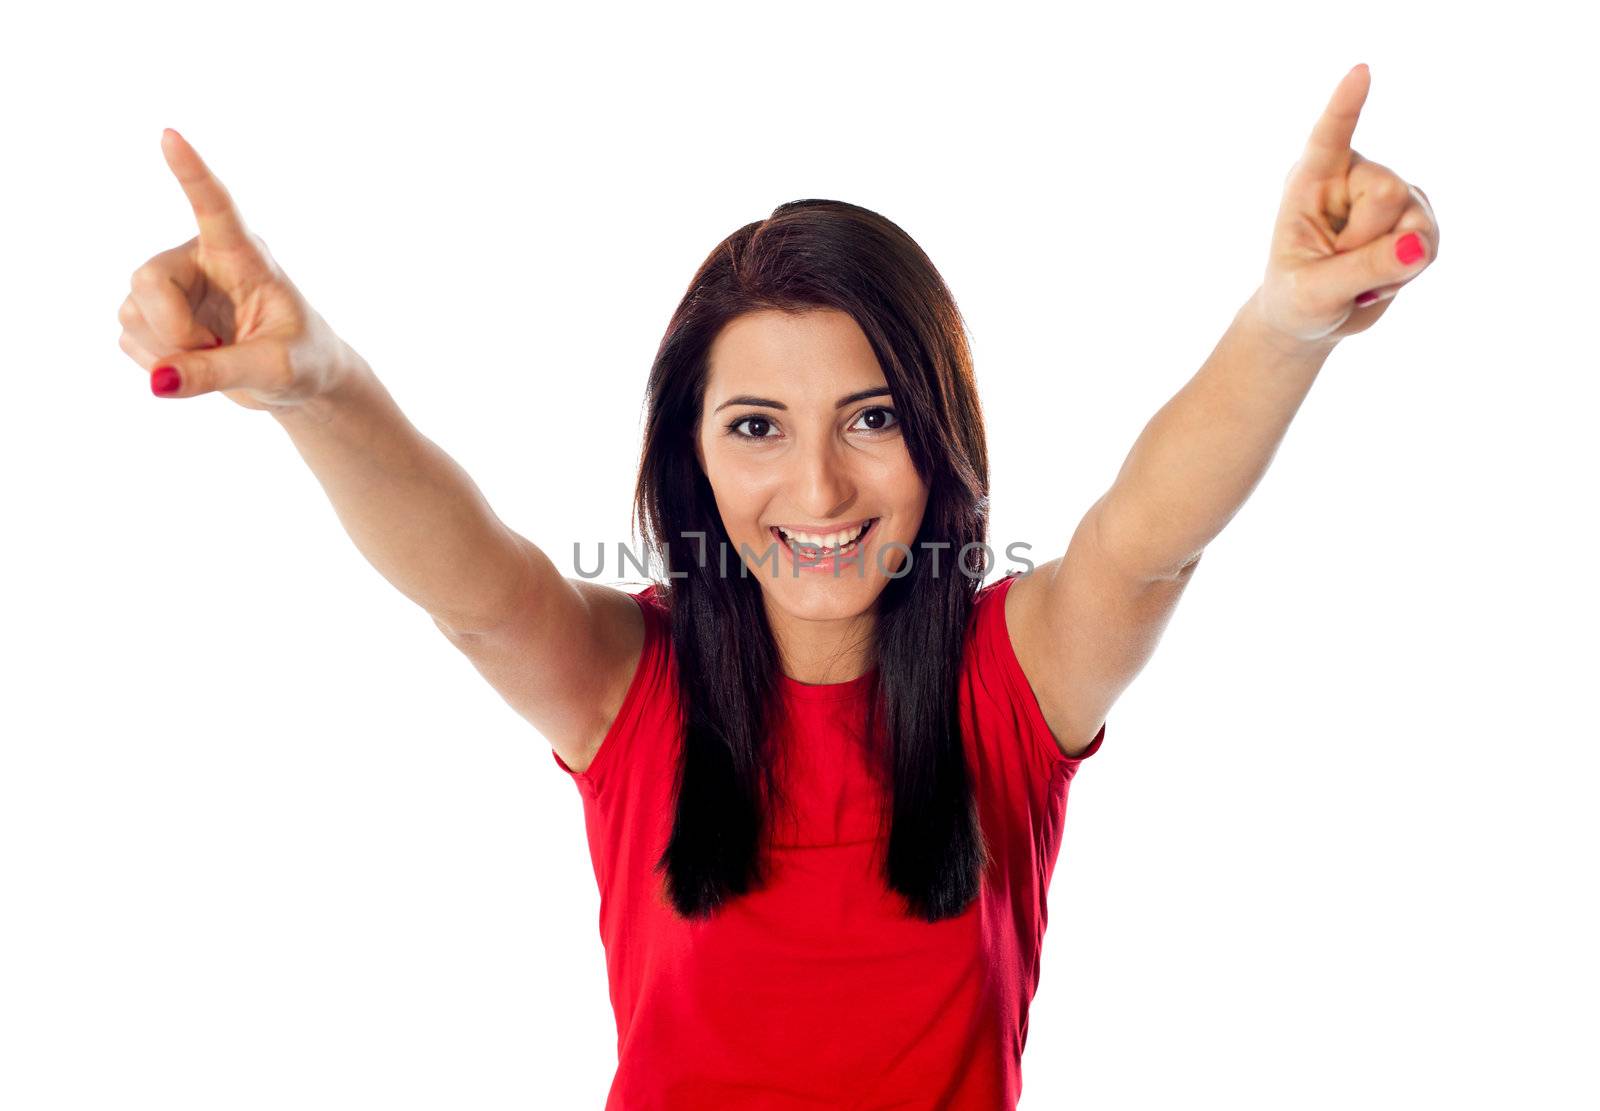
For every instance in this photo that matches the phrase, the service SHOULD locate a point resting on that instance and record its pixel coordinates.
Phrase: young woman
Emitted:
(823, 771)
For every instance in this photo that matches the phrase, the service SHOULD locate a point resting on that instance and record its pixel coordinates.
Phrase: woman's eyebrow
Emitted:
(768, 403)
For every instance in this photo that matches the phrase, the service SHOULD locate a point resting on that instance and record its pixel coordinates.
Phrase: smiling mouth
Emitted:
(809, 552)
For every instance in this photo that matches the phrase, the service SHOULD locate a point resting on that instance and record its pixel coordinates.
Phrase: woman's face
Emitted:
(799, 433)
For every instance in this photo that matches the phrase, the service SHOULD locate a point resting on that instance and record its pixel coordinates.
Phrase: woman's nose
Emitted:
(823, 484)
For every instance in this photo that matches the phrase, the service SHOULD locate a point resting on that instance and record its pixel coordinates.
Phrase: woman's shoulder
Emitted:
(988, 607)
(999, 690)
(638, 694)
(653, 595)
(655, 605)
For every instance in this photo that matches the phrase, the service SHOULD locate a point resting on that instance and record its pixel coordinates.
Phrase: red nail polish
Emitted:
(165, 380)
(1408, 248)
(1368, 297)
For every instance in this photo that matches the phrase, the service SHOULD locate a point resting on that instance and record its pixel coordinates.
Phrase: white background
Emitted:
(267, 840)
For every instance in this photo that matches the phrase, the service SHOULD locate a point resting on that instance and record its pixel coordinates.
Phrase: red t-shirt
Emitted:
(819, 991)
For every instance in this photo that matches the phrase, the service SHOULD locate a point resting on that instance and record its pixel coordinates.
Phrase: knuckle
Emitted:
(1389, 189)
(131, 349)
(146, 276)
(128, 313)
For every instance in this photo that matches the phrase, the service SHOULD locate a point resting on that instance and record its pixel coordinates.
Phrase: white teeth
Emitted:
(827, 540)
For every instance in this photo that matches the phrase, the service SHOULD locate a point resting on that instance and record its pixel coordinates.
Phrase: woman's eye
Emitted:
(877, 415)
(761, 423)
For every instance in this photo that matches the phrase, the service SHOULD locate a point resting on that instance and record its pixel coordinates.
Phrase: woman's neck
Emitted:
(829, 651)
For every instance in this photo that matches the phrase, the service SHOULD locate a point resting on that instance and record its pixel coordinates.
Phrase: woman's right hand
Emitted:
(219, 312)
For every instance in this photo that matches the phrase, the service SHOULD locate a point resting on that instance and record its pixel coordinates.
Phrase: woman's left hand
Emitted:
(1350, 233)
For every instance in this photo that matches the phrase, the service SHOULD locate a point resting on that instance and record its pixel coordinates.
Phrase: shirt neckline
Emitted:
(828, 692)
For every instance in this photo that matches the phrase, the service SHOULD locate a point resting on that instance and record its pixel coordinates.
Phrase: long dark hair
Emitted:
(820, 254)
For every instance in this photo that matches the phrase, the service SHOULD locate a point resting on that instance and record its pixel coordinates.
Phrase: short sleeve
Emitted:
(997, 655)
(643, 689)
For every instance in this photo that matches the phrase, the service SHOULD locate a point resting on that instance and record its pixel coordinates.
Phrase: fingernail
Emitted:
(1368, 297)
(165, 380)
(216, 343)
(1408, 248)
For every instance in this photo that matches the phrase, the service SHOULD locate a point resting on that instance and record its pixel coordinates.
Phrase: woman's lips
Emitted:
(796, 550)
(823, 530)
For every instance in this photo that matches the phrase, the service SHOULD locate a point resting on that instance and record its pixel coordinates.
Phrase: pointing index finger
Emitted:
(221, 226)
(1327, 152)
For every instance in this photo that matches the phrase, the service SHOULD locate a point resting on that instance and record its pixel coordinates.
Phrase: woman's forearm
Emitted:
(1203, 453)
(411, 510)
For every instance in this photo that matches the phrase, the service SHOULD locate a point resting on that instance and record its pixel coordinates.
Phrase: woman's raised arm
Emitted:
(217, 314)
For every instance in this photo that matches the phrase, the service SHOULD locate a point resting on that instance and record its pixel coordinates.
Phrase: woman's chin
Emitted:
(823, 596)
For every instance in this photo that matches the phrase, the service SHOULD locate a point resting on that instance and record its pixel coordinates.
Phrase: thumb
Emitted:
(1387, 260)
(260, 365)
